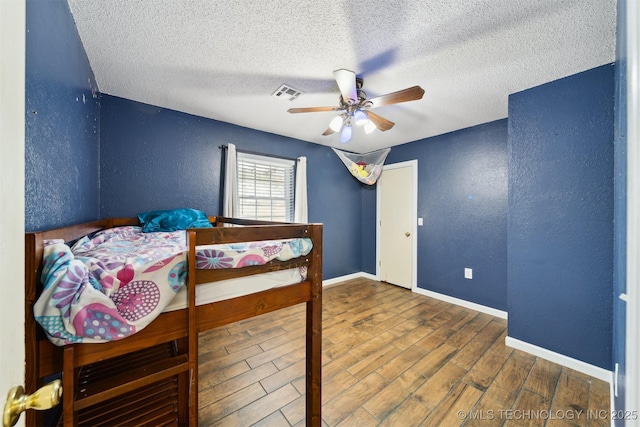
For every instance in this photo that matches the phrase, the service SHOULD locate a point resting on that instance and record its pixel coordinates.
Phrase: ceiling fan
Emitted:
(355, 108)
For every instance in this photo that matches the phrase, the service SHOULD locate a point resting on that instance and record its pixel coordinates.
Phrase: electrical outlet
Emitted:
(468, 273)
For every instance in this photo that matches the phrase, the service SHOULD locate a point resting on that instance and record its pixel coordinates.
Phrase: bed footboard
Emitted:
(231, 310)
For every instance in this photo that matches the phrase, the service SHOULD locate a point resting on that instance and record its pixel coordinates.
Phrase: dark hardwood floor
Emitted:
(390, 358)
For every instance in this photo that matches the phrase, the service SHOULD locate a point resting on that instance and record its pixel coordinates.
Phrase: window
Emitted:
(265, 187)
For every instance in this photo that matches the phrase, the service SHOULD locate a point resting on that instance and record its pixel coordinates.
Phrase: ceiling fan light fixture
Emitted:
(336, 123)
(357, 108)
(369, 127)
(347, 131)
(360, 117)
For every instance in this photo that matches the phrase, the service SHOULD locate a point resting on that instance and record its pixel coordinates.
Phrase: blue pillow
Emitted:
(172, 220)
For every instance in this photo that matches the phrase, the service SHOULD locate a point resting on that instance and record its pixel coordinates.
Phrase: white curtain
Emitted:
(230, 201)
(300, 213)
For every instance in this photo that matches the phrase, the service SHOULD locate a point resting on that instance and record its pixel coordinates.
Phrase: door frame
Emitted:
(413, 164)
(632, 388)
(12, 135)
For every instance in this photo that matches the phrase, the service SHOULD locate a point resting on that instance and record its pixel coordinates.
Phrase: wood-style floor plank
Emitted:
(447, 412)
(391, 396)
(390, 358)
(487, 412)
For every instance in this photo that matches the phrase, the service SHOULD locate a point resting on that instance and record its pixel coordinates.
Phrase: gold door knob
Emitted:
(407, 234)
(45, 397)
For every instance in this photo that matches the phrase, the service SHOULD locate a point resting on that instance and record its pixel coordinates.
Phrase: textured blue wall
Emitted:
(560, 216)
(462, 196)
(620, 207)
(560, 223)
(153, 158)
(62, 121)
(369, 194)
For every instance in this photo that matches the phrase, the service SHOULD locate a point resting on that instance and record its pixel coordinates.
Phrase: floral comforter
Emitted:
(113, 284)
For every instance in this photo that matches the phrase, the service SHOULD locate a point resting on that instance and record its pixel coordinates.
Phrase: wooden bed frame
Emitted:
(162, 359)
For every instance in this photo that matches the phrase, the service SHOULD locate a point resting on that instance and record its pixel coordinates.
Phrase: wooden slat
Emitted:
(167, 327)
(113, 408)
(184, 385)
(221, 220)
(232, 310)
(155, 405)
(50, 361)
(33, 376)
(215, 235)
(119, 222)
(139, 359)
(68, 387)
(73, 232)
(213, 275)
(192, 337)
(314, 331)
(109, 388)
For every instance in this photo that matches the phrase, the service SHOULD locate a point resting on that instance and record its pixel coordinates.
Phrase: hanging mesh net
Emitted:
(365, 167)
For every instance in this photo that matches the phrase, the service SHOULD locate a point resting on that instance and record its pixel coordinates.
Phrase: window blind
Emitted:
(265, 187)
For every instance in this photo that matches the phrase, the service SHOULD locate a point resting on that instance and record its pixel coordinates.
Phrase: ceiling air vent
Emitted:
(287, 92)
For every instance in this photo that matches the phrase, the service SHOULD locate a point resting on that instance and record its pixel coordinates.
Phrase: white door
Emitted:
(12, 125)
(396, 224)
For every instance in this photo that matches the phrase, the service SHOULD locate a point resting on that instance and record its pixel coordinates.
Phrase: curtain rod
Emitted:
(224, 147)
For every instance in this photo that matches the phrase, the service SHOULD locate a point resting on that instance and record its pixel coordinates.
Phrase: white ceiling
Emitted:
(224, 59)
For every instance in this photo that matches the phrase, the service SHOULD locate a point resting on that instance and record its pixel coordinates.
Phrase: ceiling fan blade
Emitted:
(380, 122)
(329, 131)
(347, 83)
(313, 109)
(409, 94)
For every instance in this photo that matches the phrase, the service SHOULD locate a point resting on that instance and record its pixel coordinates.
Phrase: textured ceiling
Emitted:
(224, 59)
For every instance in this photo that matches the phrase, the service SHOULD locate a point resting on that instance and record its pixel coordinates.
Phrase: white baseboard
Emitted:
(561, 359)
(358, 275)
(612, 399)
(467, 304)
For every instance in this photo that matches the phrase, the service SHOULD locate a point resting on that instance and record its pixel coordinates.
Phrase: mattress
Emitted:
(114, 283)
(231, 288)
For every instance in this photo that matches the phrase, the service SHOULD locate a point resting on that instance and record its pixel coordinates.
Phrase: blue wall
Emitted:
(560, 222)
(368, 226)
(62, 122)
(462, 196)
(561, 249)
(153, 158)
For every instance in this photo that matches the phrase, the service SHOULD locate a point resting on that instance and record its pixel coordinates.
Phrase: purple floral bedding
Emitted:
(113, 284)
